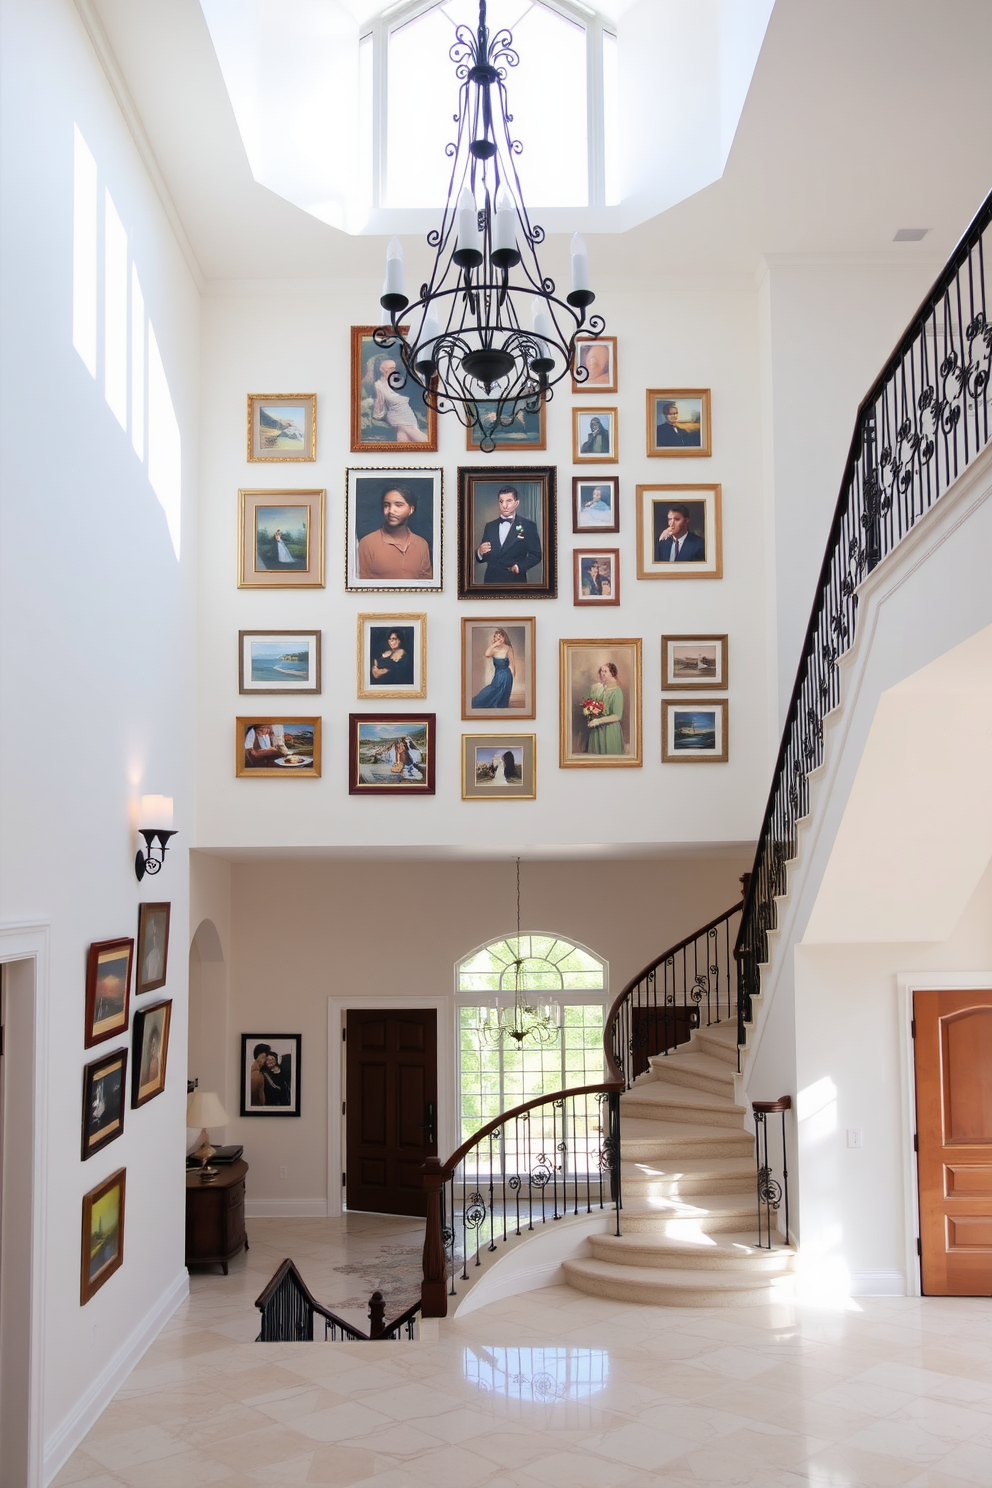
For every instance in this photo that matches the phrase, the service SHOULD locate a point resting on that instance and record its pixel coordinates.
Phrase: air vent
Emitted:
(910, 234)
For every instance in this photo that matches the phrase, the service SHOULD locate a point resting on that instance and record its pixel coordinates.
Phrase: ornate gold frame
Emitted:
(280, 456)
(368, 691)
(569, 761)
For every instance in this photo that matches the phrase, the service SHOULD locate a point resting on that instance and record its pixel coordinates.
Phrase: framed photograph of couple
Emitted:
(102, 1243)
(693, 663)
(693, 732)
(392, 656)
(388, 410)
(270, 1074)
(277, 748)
(151, 1052)
(282, 426)
(499, 767)
(498, 667)
(279, 661)
(594, 369)
(678, 422)
(103, 1101)
(281, 540)
(595, 503)
(679, 532)
(518, 427)
(600, 703)
(108, 989)
(596, 576)
(594, 436)
(393, 526)
(153, 947)
(506, 532)
(391, 754)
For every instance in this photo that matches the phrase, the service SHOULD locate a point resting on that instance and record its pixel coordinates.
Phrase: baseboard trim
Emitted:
(64, 1440)
(285, 1208)
(878, 1284)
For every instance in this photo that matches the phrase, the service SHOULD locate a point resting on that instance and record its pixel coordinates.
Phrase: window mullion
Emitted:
(595, 132)
(380, 97)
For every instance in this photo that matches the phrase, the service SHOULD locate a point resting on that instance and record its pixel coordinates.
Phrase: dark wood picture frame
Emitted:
(104, 1104)
(249, 1043)
(478, 489)
(105, 1019)
(149, 917)
(388, 781)
(361, 357)
(582, 556)
(588, 482)
(92, 1278)
(289, 688)
(146, 1018)
(694, 681)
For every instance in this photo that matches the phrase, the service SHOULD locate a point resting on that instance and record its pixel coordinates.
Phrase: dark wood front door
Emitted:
(390, 1108)
(953, 1050)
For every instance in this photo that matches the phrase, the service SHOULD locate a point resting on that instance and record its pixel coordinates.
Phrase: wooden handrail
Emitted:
(539, 1100)
(380, 1328)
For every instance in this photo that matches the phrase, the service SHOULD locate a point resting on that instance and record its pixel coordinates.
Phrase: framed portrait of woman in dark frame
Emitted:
(150, 1052)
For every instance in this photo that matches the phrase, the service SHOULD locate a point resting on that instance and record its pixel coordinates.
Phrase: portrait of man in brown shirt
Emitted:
(392, 551)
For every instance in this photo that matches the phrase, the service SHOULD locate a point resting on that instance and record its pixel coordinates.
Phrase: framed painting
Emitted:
(595, 503)
(679, 532)
(392, 656)
(393, 527)
(108, 989)
(278, 748)
(282, 426)
(594, 436)
(103, 1101)
(270, 1074)
(151, 1052)
(506, 532)
(391, 754)
(693, 663)
(596, 576)
(693, 731)
(281, 540)
(600, 703)
(678, 422)
(279, 661)
(153, 947)
(498, 662)
(388, 409)
(102, 1245)
(499, 767)
(519, 427)
(594, 369)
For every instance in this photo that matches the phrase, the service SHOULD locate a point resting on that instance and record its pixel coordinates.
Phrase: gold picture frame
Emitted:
(499, 767)
(260, 742)
(694, 663)
(687, 435)
(282, 427)
(403, 669)
(599, 445)
(597, 381)
(581, 665)
(526, 430)
(694, 731)
(280, 539)
(700, 545)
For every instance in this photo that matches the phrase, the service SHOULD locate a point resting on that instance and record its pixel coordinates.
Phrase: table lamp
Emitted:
(204, 1109)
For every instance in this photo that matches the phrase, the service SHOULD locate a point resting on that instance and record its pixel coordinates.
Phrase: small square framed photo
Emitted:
(600, 703)
(281, 540)
(693, 663)
(103, 1101)
(102, 1246)
(498, 667)
(389, 413)
(679, 533)
(596, 576)
(594, 436)
(150, 1051)
(278, 748)
(393, 525)
(678, 422)
(279, 661)
(499, 767)
(392, 656)
(594, 369)
(153, 947)
(108, 989)
(506, 532)
(693, 731)
(270, 1074)
(519, 426)
(595, 503)
(391, 754)
(282, 426)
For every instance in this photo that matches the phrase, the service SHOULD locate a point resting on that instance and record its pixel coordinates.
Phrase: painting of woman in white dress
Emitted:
(387, 407)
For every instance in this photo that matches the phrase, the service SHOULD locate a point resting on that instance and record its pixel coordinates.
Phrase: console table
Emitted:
(215, 1216)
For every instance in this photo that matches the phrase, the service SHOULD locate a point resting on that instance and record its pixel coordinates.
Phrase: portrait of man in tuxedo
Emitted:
(676, 542)
(511, 544)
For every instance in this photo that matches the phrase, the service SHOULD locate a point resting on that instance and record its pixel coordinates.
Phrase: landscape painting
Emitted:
(279, 661)
(693, 731)
(391, 754)
(102, 1247)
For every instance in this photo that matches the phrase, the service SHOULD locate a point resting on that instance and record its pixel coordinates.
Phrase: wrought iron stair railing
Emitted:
(290, 1312)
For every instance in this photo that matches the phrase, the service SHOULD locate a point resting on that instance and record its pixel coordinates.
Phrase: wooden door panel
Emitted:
(391, 1080)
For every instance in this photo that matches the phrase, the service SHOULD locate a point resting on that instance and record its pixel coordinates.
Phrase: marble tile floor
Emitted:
(553, 1388)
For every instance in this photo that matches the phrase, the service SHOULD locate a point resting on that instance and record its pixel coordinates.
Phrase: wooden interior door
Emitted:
(390, 1108)
(953, 1049)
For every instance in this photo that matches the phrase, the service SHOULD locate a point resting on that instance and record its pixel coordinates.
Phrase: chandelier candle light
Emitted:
(472, 341)
(524, 1019)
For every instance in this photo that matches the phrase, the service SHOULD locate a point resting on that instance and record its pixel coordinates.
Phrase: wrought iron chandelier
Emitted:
(466, 337)
(524, 1019)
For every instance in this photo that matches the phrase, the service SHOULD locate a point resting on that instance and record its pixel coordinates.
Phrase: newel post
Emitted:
(434, 1287)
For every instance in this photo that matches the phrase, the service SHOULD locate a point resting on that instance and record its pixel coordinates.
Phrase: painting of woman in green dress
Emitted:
(600, 703)
(605, 729)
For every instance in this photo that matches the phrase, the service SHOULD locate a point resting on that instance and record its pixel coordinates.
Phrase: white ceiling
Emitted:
(862, 118)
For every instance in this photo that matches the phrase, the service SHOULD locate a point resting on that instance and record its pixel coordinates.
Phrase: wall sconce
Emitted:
(156, 814)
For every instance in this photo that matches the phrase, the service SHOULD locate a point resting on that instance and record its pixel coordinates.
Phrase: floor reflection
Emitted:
(540, 1375)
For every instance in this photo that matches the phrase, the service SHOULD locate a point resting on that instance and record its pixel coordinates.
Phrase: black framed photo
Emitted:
(103, 1101)
(270, 1074)
(507, 532)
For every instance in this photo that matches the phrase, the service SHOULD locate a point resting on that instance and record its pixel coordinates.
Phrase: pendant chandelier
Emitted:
(473, 333)
(541, 1023)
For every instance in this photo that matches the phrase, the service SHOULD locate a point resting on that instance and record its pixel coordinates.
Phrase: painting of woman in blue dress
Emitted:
(496, 693)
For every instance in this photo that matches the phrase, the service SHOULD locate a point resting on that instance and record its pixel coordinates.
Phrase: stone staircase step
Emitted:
(675, 1288)
(722, 1252)
(693, 1176)
(688, 1218)
(697, 1070)
(644, 1140)
(668, 1102)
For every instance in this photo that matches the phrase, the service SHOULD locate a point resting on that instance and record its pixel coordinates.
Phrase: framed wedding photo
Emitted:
(270, 1074)
(282, 426)
(108, 989)
(600, 703)
(594, 369)
(499, 767)
(278, 748)
(103, 1101)
(391, 754)
(519, 427)
(679, 532)
(150, 1052)
(594, 436)
(498, 667)
(102, 1244)
(389, 413)
(393, 526)
(596, 576)
(595, 503)
(279, 661)
(693, 732)
(281, 540)
(678, 422)
(507, 532)
(152, 961)
(392, 656)
(693, 663)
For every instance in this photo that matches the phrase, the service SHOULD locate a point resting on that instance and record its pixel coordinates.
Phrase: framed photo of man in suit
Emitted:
(506, 532)
(679, 532)
(679, 422)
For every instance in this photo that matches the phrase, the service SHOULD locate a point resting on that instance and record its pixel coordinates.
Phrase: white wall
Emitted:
(96, 649)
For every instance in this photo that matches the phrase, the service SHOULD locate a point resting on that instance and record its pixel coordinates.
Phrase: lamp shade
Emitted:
(156, 813)
(204, 1109)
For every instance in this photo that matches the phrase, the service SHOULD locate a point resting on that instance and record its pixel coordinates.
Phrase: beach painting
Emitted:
(693, 731)
(391, 754)
(279, 661)
(282, 426)
(102, 1249)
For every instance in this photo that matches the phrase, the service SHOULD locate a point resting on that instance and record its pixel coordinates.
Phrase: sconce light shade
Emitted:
(155, 826)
